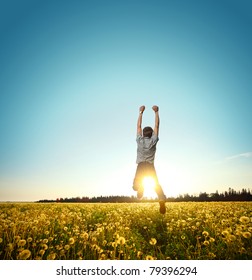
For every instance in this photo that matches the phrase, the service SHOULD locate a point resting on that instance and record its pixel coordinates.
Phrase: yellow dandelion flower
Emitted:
(243, 227)
(25, 254)
(225, 233)
(1, 240)
(79, 253)
(206, 243)
(244, 219)
(93, 239)
(153, 241)
(10, 246)
(149, 258)
(29, 239)
(182, 237)
(46, 232)
(41, 252)
(51, 256)
(205, 233)
(103, 257)
(250, 229)
(58, 247)
(66, 247)
(211, 255)
(211, 239)
(84, 235)
(246, 234)
(229, 230)
(45, 241)
(44, 247)
(21, 243)
(71, 241)
(242, 250)
(121, 240)
(43, 216)
(231, 238)
(99, 230)
(139, 254)
(95, 247)
(17, 238)
(65, 228)
(62, 252)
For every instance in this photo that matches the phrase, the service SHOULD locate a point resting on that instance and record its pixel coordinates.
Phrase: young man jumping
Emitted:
(146, 148)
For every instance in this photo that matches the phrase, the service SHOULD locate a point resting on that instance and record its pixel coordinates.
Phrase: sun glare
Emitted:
(176, 180)
(149, 187)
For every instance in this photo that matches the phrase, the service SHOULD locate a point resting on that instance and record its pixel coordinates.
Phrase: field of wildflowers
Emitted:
(127, 231)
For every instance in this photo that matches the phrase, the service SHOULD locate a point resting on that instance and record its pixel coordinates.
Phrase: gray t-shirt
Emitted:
(146, 148)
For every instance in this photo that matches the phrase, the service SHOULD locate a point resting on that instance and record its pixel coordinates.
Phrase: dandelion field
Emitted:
(126, 231)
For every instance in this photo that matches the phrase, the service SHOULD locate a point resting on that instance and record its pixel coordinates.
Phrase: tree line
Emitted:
(230, 195)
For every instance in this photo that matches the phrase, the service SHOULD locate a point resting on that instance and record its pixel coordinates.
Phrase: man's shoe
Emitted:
(162, 208)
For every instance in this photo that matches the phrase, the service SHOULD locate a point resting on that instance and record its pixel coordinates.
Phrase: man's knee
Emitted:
(137, 184)
(136, 187)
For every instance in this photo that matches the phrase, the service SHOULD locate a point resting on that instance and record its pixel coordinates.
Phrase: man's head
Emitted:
(147, 131)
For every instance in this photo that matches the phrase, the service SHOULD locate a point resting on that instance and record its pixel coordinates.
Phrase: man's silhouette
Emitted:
(146, 148)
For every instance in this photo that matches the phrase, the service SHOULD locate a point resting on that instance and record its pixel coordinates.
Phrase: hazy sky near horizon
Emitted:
(74, 73)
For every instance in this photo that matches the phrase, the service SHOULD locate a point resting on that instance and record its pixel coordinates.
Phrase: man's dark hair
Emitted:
(147, 131)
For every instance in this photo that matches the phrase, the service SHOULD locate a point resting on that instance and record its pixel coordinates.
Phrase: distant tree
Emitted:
(215, 196)
(203, 196)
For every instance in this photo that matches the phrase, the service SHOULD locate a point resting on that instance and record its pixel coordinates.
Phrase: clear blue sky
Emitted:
(74, 73)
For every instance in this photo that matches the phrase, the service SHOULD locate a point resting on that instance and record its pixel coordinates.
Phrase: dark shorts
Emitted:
(144, 169)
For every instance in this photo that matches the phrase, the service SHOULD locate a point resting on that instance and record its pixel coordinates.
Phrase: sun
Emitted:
(149, 187)
(176, 180)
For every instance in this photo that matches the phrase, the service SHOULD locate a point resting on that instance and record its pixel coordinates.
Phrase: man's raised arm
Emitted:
(139, 121)
(157, 121)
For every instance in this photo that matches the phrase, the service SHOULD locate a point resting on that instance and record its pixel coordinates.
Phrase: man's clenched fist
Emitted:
(155, 108)
(142, 108)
